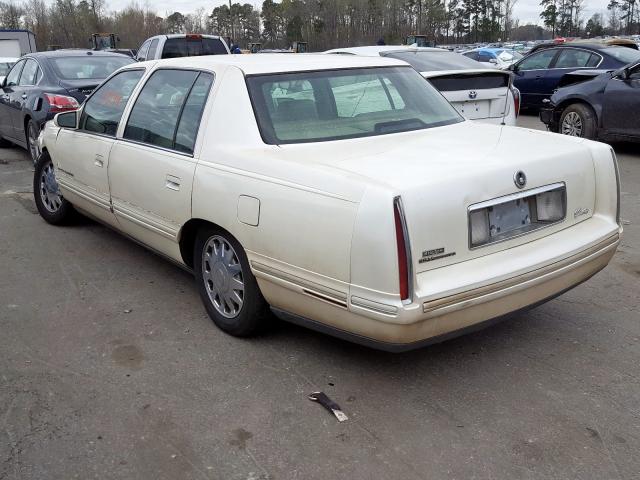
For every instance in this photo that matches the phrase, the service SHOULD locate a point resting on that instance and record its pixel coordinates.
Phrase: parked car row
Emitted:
(344, 192)
(42, 84)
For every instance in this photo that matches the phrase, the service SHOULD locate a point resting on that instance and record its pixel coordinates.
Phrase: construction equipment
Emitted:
(299, 47)
(104, 41)
(254, 47)
(418, 41)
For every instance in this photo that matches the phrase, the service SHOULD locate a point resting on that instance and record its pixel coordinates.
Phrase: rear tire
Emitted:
(578, 120)
(52, 206)
(227, 287)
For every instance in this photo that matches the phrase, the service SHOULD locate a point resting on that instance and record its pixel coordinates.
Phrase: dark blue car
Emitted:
(539, 74)
(604, 107)
(42, 84)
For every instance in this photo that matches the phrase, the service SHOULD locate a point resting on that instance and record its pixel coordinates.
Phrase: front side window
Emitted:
(142, 51)
(167, 112)
(338, 104)
(14, 75)
(29, 73)
(103, 110)
(152, 49)
(538, 61)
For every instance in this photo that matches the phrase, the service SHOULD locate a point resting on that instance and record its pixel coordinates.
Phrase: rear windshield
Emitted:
(192, 47)
(424, 61)
(338, 104)
(4, 68)
(624, 54)
(479, 81)
(88, 67)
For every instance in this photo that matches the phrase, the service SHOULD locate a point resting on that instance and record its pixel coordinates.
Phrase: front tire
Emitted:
(32, 140)
(227, 287)
(578, 120)
(53, 207)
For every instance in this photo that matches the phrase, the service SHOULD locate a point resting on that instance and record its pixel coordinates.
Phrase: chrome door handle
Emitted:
(5, 97)
(172, 183)
(24, 96)
(98, 162)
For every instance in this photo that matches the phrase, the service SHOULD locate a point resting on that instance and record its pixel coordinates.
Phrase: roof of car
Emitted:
(374, 50)
(278, 63)
(73, 52)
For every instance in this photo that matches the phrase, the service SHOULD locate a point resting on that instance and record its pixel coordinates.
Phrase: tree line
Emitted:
(322, 23)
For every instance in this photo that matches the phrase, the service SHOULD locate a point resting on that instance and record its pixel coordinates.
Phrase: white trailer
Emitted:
(15, 43)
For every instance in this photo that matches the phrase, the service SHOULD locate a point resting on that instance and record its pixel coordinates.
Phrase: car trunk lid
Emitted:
(80, 89)
(475, 94)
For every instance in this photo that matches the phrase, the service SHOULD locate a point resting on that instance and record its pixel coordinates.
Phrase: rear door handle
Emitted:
(172, 183)
(99, 161)
(24, 96)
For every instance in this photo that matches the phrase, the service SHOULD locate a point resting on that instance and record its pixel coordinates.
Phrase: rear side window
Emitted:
(167, 112)
(103, 110)
(213, 46)
(573, 58)
(485, 57)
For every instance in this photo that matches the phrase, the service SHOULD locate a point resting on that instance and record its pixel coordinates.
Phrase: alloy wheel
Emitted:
(223, 277)
(49, 190)
(572, 125)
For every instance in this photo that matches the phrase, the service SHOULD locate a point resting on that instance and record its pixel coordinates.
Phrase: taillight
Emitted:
(402, 247)
(516, 100)
(61, 103)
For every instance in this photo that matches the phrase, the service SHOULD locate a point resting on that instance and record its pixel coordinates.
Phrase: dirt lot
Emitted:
(110, 368)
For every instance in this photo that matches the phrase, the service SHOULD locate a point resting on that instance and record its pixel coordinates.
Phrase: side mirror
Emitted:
(66, 120)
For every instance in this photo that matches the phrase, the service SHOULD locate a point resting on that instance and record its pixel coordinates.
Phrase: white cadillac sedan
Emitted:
(339, 192)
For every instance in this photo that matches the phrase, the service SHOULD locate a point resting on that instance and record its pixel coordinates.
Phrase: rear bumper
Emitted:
(431, 320)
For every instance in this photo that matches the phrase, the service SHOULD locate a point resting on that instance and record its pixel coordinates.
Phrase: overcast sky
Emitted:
(527, 11)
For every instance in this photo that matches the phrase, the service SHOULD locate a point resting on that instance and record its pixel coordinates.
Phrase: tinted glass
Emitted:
(88, 67)
(14, 74)
(175, 47)
(424, 61)
(192, 113)
(212, 46)
(29, 73)
(471, 55)
(333, 105)
(103, 110)
(538, 61)
(594, 60)
(4, 68)
(624, 54)
(485, 56)
(572, 58)
(154, 117)
(152, 49)
(481, 81)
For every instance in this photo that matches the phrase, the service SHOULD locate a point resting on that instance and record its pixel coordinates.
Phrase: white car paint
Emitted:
(487, 105)
(316, 219)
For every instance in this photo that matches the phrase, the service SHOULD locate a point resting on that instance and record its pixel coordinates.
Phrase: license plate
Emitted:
(517, 214)
(505, 217)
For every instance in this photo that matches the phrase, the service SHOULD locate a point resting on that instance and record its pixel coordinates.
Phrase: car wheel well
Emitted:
(188, 234)
(573, 101)
(25, 124)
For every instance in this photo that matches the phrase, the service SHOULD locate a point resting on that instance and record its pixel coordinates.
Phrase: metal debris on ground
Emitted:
(329, 404)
